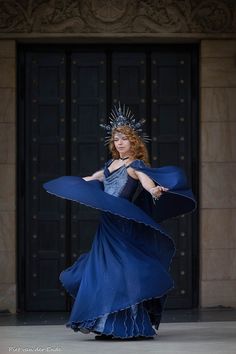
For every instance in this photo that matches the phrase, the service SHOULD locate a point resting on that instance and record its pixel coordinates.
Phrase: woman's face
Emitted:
(122, 143)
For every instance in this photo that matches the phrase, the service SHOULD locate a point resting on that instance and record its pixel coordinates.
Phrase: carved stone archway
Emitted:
(106, 17)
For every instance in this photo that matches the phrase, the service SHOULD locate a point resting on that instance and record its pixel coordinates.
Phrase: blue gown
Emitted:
(120, 286)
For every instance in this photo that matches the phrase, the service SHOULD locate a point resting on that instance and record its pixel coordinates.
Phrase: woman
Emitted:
(120, 286)
(126, 147)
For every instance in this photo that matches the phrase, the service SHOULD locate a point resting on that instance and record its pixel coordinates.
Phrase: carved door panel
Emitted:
(88, 105)
(157, 86)
(45, 226)
(62, 137)
(171, 145)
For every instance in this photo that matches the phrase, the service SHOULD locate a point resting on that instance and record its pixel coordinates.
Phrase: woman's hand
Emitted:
(97, 175)
(149, 185)
(157, 191)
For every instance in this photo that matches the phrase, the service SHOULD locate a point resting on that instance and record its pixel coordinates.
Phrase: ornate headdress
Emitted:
(123, 117)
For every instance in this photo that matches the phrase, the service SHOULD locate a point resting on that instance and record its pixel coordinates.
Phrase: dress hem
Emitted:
(70, 323)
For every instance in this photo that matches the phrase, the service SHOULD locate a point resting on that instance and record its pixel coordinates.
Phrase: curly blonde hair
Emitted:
(137, 147)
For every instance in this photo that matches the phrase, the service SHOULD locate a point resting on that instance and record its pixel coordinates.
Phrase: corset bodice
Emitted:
(119, 183)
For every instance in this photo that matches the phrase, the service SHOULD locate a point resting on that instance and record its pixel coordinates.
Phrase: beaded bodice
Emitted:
(119, 183)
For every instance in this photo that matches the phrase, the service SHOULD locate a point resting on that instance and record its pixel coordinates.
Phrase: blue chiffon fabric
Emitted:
(120, 286)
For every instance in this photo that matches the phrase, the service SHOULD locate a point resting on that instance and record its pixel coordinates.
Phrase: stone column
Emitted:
(218, 173)
(7, 175)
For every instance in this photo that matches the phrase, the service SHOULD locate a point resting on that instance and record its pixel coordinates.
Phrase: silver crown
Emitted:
(120, 117)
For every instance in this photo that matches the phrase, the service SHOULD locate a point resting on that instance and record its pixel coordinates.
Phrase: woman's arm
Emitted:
(97, 175)
(149, 185)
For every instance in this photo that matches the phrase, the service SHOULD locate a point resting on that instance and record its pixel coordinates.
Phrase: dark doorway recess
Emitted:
(64, 92)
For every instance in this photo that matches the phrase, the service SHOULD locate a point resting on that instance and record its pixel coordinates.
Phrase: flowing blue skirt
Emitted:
(120, 286)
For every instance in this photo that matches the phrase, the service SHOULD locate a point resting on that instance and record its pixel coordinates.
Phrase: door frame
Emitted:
(20, 153)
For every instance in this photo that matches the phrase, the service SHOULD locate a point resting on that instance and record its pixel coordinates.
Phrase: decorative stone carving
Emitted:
(118, 16)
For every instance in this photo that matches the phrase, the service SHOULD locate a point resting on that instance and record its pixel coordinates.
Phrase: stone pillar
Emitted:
(218, 173)
(7, 175)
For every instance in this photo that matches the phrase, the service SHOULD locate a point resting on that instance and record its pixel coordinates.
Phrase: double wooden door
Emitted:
(64, 94)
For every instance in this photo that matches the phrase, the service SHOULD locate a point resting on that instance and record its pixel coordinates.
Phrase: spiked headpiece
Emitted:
(120, 117)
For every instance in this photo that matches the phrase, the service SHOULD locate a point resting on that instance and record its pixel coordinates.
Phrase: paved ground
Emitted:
(172, 338)
(213, 314)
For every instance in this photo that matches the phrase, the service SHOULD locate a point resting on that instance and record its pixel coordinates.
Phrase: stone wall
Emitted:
(7, 175)
(218, 173)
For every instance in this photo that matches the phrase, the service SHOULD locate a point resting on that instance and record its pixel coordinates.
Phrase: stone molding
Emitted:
(118, 16)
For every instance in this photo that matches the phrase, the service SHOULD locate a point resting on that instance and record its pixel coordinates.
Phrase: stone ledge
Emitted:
(8, 263)
(218, 143)
(7, 143)
(218, 48)
(211, 232)
(7, 105)
(7, 49)
(8, 231)
(218, 293)
(7, 187)
(219, 264)
(8, 297)
(218, 104)
(8, 72)
(218, 72)
(217, 187)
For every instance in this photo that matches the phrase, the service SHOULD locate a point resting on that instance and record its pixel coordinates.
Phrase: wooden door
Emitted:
(64, 94)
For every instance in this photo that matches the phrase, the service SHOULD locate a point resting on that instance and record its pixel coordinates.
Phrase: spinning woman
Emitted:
(120, 286)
